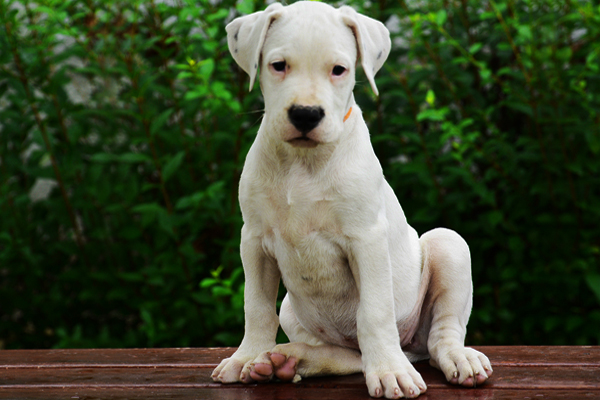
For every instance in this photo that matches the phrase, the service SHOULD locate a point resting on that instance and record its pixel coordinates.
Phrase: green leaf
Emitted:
(148, 208)
(475, 47)
(172, 165)
(525, 32)
(593, 139)
(5, 236)
(130, 233)
(206, 68)
(220, 14)
(494, 218)
(103, 157)
(525, 108)
(167, 223)
(564, 54)
(593, 281)
(217, 272)
(184, 75)
(160, 120)
(441, 17)
(215, 189)
(433, 115)
(208, 282)
(220, 291)
(591, 61)
(245, 7)
(485, 74)
(190, 201)
(133, 158)
(131, 276)
(199, 91)
(220, 91)
(430, 97)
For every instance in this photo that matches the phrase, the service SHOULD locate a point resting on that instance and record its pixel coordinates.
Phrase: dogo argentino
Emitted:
(364, 292)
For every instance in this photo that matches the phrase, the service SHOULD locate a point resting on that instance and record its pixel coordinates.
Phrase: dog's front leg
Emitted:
(387, 370)
(261, 321)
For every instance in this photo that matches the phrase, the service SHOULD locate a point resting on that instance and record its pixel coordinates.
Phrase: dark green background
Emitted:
(135, 116)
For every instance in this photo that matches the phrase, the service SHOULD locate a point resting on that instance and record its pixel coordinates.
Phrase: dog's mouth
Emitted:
(303, 141)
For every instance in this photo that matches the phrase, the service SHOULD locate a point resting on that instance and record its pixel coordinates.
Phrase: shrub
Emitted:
(120, 106)
(492, 129)
(124, 126)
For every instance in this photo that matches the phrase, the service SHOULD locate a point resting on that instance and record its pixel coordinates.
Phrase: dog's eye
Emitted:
(279, 66)
(338, 70)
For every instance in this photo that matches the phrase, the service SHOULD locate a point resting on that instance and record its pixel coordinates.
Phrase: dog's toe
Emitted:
(263, 369)
(261, 372)
(278, 359)
(287, 369)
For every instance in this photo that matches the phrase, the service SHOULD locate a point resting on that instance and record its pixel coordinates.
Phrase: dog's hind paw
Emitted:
(269, 365)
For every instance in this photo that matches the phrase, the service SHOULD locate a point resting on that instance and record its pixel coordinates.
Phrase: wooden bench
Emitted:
(519, 373)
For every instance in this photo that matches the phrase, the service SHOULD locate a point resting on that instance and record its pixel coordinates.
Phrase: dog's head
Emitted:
(307, 54)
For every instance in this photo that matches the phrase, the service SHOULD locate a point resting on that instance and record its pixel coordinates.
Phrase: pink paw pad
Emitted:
(286, 368)
(261, 372)
(278, 359)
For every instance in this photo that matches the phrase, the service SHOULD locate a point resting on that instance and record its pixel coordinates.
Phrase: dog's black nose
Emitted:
(305, 119)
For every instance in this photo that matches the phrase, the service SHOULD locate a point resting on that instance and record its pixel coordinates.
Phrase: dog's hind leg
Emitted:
(304, 356)
(450, 298)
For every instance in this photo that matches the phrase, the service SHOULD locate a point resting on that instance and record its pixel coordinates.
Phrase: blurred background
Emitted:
(124, 126)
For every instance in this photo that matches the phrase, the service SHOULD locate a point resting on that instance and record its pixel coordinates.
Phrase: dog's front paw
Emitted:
(232, 370)
(464, 366)
(402, 380)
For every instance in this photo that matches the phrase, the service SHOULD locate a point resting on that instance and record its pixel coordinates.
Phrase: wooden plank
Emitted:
(543, 355)
(210, 357)
(108, 358)
(519, 372)
(587, 378)
(282, 392)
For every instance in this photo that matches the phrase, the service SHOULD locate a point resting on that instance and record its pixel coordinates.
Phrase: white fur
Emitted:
(319, 214)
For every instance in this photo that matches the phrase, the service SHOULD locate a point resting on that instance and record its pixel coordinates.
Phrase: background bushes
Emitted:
(124, 126)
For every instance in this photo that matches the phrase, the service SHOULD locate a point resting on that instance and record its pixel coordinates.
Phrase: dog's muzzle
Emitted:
(305, 119)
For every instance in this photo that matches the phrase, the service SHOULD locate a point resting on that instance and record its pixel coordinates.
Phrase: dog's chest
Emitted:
(303, 232)
(300, 206)
(307, 242)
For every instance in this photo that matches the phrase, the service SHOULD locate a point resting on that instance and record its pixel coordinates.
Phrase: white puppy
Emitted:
(365, 293)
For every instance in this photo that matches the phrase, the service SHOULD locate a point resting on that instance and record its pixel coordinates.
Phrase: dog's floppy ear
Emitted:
(373, 40)
(246, 36)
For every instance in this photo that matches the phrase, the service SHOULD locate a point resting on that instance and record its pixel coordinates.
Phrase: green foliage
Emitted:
(124, 107)
(124, 126)
(489, 126)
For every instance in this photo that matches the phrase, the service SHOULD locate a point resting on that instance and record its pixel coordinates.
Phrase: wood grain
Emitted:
(519, 372)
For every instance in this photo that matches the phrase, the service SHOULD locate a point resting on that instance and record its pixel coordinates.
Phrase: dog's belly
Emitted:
(320, 285)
